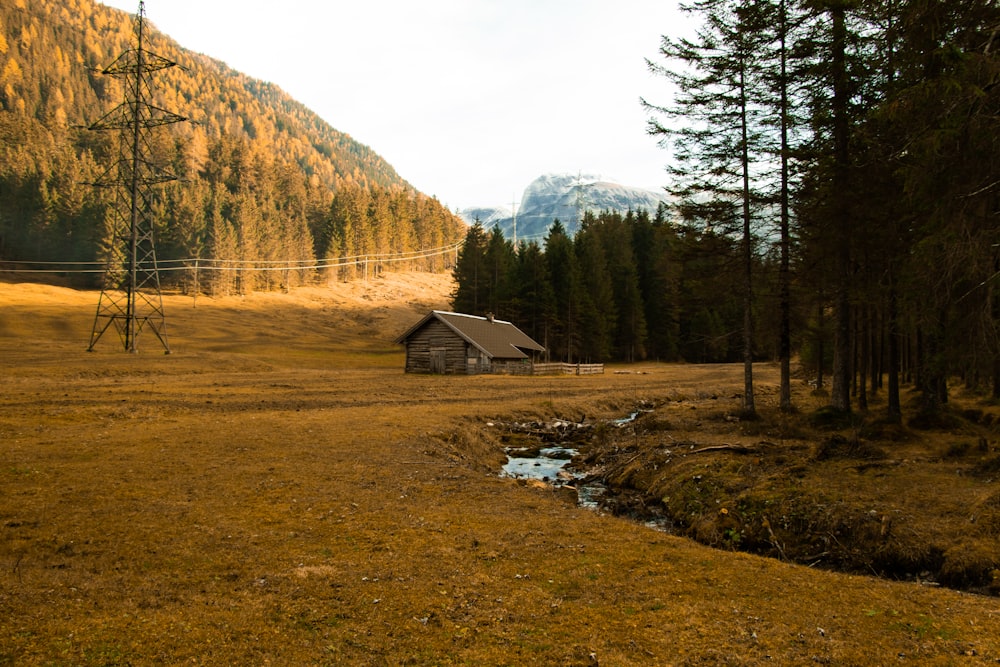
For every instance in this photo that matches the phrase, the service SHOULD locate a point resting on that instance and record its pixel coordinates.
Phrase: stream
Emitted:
(548, 466)
(548, 463)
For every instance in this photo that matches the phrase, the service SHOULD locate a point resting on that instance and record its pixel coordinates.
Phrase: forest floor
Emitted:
(278, 491)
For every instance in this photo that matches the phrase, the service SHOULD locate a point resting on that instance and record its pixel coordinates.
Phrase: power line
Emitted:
(206, 264)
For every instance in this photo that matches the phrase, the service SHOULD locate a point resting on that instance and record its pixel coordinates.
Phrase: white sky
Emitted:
(469, 100)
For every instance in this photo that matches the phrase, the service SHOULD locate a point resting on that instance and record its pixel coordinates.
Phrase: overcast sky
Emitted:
(469, 100)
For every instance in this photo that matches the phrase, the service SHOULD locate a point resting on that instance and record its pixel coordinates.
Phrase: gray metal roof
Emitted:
(498, 339)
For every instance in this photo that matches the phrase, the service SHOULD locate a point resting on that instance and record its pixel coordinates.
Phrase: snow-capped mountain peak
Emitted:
(565, 197)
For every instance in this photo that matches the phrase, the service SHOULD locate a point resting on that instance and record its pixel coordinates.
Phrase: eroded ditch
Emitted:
(731, 493)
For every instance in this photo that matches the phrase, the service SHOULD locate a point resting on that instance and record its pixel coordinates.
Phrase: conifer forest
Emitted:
(835, 168)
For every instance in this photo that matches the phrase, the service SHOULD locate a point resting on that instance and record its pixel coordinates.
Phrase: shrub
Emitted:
(839, 447)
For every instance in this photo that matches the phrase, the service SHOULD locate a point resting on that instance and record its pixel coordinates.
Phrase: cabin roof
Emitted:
(498, 339)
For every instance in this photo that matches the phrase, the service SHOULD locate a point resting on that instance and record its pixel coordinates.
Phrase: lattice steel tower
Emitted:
(130, 295)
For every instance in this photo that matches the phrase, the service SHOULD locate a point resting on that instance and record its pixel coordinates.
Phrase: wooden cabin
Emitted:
(453, 343)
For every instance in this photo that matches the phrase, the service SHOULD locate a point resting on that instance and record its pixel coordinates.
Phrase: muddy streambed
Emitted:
(553, 453)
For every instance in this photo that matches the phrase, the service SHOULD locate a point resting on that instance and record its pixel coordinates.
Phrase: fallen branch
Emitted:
(622, 465)
(739, 449)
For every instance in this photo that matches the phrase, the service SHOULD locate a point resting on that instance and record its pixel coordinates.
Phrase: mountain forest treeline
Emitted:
(261, 180)
(835, 168)
(625, 287)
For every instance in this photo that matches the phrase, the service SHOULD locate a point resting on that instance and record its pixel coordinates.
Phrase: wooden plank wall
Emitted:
(435, 334)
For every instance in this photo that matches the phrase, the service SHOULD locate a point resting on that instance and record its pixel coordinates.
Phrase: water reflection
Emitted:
(547, 466)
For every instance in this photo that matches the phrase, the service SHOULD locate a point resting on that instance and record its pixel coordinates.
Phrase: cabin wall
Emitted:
(436, 335)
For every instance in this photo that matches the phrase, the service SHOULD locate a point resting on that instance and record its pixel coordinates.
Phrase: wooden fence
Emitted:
(524, 368)
(568, 369)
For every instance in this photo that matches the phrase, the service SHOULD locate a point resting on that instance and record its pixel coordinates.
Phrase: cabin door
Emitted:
(438, 357)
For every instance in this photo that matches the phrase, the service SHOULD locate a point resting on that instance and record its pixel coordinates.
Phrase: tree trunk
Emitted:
(895, 414)
(864, 359)
(749, 405)
(820, 347)
(784, 274)
(933, 377)
(996, 376)
(876, 342)
(840, 394)
(995, 309)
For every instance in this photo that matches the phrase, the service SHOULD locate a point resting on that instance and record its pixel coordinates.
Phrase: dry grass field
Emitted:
(278, 492)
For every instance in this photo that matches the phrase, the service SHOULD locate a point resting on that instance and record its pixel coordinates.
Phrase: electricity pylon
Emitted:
(130, 295)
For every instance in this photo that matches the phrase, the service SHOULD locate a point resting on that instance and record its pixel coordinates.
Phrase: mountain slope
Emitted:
(262, 178)
(54, 51)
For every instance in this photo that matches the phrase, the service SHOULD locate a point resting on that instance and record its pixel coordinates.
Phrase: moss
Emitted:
(831, 419)
(840, 447)
(970, 564)
(941, 419)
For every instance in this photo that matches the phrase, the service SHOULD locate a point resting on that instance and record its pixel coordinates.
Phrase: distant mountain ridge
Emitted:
(564, 197)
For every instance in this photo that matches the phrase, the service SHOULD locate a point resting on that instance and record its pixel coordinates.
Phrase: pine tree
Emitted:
(564, 274)
(249, 230)
(350, 226)
(710, 312)
(655, 244)
(223, 246)
(780, 96)
(534, 300)
(719, 127)
(600, 313)
(499, 260)
(629, 330)
(840, 182)
(947, 95)
(471, 274)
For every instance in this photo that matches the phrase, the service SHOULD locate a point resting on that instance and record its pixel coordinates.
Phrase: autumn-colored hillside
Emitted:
(52, 53)
(262, 180)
